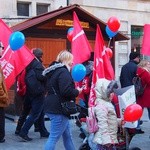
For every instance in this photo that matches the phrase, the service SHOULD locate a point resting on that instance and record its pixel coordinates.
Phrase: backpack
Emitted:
(91, 120)
(34, 86)
(21, 85)
(139, 88)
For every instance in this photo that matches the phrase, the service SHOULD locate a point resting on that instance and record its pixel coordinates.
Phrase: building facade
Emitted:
(132, 14)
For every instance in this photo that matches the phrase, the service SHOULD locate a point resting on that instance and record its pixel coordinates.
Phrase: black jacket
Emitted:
(60, 87)
(38, 68)
(128, 71)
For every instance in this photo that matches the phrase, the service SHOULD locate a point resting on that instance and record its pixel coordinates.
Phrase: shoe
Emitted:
(78, 123)
(141, 122)
(17, 132)
(25, 138)
(82, 135)
(2, 141)
(45, 135)
(36, 130)
(139, 131)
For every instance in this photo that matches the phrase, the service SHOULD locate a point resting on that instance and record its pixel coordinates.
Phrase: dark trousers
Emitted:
(148, 109)
(2, 123)
(36, 114)
(25, 112)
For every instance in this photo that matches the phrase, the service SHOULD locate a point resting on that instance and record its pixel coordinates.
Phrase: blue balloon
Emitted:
(69, 30)
(110, 33)
(16, 40)
(78, 72)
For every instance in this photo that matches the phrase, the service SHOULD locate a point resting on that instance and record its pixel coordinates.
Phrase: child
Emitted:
(106, 136)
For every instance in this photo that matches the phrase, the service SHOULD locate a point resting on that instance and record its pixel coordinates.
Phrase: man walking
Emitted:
(128, 72)
(35, 96)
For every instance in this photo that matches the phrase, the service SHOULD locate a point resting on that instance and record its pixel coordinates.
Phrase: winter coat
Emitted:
(107, 118)
(128, 72)
(144, 100)
(38, 68)
(4, 100)
(60, 87)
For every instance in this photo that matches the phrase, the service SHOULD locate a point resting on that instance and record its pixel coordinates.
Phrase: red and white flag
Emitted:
(109, 71)
(81, 48)
(12, 62)
(98, 69)
(102, 65)
(146, 44)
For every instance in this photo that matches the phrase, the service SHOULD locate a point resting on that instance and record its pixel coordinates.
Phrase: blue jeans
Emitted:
(59, 126)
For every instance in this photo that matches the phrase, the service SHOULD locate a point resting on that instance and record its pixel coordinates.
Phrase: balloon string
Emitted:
(109, 42)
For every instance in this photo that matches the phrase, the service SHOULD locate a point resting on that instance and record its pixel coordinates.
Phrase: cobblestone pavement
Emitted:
(13, 142)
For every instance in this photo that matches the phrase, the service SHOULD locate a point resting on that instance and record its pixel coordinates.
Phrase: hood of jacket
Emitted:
(104, 88)
(52, 67)
(101, 89)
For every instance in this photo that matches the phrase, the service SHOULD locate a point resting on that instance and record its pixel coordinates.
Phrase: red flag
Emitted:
(102, 65)
(108, 69)
(98, 69)
(146, 44)
(109, 72)
(81, 48)
(12, 62)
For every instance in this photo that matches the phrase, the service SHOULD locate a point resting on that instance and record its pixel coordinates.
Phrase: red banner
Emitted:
(146, 44)
(98, 71)
(12, 62)
(81, 48)
(102, 65)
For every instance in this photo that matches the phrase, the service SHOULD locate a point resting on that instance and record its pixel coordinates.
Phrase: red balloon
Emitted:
(133, 113)
(113, 24)
(70, 35)
(109, 52)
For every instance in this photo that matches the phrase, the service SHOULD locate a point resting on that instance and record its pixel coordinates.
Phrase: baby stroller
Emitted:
(81, 123)
(89, 145)
(124, 136)
(87, 141)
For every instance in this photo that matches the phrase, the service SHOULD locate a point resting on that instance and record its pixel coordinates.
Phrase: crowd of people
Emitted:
(60, 87)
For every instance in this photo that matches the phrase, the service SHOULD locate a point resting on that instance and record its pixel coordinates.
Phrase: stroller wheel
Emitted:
(84, 146)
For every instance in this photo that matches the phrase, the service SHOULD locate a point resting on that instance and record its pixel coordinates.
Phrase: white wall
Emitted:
(135, 12)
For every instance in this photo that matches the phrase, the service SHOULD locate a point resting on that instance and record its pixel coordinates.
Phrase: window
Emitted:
(136, 38)
(41, 8)
(23, 9)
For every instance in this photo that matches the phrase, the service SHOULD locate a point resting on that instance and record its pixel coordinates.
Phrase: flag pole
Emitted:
(109, 42)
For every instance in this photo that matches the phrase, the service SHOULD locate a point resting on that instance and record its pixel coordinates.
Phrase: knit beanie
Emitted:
(133, 55)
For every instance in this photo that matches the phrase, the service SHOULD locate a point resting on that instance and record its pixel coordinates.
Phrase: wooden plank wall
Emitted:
(50, 47)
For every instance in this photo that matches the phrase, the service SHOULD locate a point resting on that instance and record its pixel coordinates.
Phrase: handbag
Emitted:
(69, 108)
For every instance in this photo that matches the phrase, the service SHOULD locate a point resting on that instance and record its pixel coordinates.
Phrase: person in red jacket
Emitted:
(144, 72)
